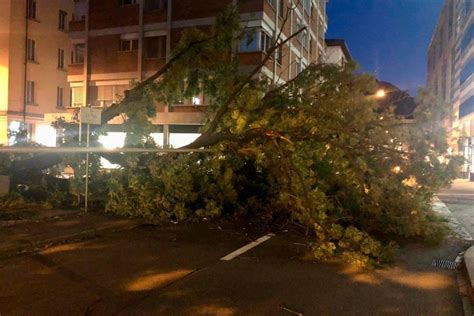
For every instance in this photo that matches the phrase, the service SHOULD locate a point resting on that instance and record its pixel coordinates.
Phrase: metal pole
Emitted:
(97, 150)
(80, 129)
(86, 193)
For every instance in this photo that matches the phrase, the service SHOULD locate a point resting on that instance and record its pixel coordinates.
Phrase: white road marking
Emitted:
(247, 247)
(457, 229)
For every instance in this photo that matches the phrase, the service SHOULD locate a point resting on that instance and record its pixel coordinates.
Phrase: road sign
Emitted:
(91, 116)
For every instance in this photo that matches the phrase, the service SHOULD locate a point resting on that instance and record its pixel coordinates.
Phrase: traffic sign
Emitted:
(91, 116)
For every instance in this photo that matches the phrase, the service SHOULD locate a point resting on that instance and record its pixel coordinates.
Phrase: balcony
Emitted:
(77, 26)
(75, 69)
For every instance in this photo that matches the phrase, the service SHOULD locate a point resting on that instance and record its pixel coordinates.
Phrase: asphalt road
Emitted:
(460, 201)
(178, 270)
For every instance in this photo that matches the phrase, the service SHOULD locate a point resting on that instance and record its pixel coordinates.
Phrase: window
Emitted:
(279, 55)
(303, 35)
(249, 42)
(30, 92)
(272, 3)
(304, 38)
(467, 107)
(467, 38)
(128, 45)
(60, 58)
(76, 97)
(299, 66)
(62, 20)
(265, 42)
(105, 96)
(282, 8)
(196, 100)
(155, 5)
(467, 71)
(31, 50)
(31, 9)
(128, 2)
(321, 31)
(59, 97)
(256, 40)
(77, 55)
(307, 4)
(155, 47)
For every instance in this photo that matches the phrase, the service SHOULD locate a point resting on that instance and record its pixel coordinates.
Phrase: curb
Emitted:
(43, 244)
(465, 279)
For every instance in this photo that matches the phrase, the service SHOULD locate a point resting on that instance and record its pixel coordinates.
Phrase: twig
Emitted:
(283, 307)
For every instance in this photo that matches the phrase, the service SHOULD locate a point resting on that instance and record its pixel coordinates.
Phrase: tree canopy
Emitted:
(317, 149)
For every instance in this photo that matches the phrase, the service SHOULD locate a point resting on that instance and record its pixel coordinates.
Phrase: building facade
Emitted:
(337, 52)
(115, 42)
(451, 73)
(34, 45)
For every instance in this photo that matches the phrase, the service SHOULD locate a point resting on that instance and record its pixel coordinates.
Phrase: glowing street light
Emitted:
(380, 94)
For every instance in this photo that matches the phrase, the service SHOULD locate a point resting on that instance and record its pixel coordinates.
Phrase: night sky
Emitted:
(388, 38)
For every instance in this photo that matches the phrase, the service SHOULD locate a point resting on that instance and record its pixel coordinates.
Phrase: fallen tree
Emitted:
(317, 149)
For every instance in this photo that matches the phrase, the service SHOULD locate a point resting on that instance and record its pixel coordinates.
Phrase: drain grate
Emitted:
(445, 264)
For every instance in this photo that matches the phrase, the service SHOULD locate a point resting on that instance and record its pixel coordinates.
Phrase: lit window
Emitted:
(45, 135)
(76, 97)
(128, 45)
(196, 101)
(113, 140)
(178, 140)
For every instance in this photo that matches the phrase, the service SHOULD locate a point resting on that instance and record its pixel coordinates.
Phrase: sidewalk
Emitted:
(459, 199)
(176, 270)
(40, 228)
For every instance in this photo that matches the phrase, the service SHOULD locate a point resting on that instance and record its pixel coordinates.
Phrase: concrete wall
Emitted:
(335, 55)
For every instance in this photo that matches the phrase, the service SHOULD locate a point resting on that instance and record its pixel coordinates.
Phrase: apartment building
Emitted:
(451, 73)
(117, 41)
(337, 52)
(34, 43)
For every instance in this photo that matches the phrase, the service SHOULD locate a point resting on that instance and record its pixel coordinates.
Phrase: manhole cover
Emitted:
(445, 264)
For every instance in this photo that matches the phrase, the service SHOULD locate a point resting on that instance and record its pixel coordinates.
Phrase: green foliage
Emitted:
(318, 148)
(181, 187)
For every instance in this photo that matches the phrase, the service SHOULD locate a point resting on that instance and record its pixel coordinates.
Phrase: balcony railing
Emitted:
(77, 26)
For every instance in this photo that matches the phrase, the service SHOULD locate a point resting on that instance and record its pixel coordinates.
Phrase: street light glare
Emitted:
(380, 93)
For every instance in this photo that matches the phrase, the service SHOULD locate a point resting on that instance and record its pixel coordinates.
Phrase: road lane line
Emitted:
(247, 247)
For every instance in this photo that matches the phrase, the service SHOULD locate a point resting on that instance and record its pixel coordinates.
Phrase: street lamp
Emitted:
(380, 94)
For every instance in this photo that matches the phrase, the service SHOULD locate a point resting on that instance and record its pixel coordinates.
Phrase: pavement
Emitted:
(459, 199)
(125, 269)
